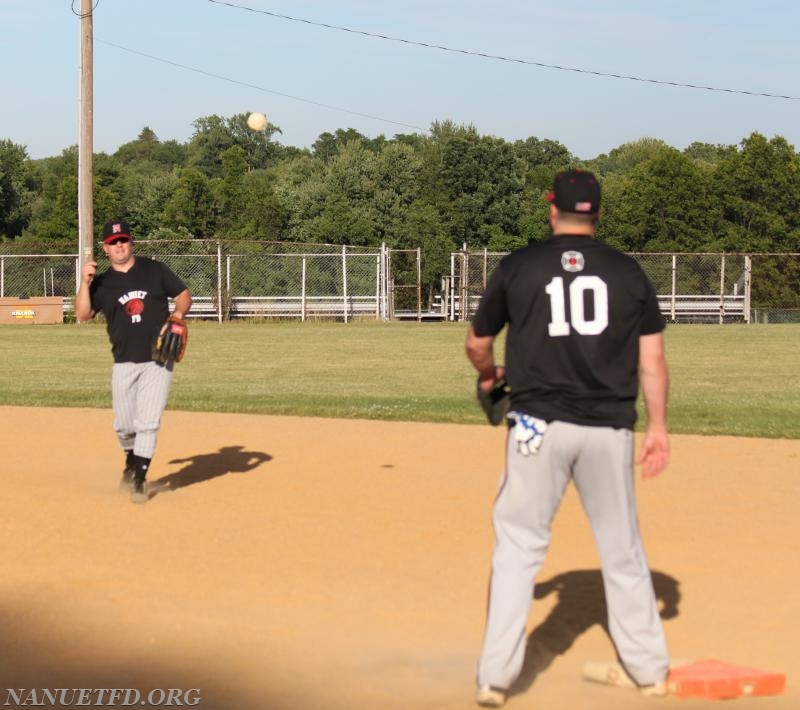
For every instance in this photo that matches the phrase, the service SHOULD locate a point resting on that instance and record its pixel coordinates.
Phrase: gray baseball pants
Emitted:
(600, 462)
(139, 392)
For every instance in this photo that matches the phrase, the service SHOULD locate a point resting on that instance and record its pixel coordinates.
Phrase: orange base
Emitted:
(718, 680)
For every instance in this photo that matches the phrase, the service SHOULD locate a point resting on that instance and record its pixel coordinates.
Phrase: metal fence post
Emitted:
(464, 301)
(747, 283)
(419, 285)
(674, 275)
(387, 274)
(722, 290)
(2, 278)
(377, 286)
(451, 286)
(344, 280)
(219, 282)
(303, 290)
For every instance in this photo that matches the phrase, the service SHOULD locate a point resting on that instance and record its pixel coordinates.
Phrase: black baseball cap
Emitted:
(115, 229)
(576, 191)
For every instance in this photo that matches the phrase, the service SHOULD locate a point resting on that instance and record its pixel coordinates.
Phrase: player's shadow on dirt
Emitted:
(580, 605)
(204, 467)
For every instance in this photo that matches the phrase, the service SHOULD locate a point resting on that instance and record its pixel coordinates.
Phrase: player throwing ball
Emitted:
(146, 341)
(584, 328)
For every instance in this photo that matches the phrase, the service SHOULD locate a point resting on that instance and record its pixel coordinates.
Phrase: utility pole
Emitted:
(85, 147)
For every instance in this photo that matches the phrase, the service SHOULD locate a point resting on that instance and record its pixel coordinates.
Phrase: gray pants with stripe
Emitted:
(139, 392)
(600, 462)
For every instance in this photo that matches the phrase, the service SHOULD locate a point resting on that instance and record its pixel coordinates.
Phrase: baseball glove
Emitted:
(495, 402)
(170, 344)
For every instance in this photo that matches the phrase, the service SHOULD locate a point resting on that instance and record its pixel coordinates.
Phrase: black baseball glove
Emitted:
(495, 402)
(170, 344)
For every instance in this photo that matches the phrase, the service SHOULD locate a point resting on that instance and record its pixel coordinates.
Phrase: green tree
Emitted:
(758, 189)
(348, 214)
(139, 150)
(145, 197)
(192, 205)
(627, 156)
(230, 188)
(709, 153)
(16, 189)
(54, 210)
(259, 149)
(476, 183)
(661, 204)
(328, 144)
(263, 216)
(300, 190)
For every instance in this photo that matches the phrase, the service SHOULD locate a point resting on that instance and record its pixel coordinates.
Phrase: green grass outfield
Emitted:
(733, 379)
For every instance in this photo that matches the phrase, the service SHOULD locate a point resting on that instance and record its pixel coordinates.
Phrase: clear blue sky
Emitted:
(750, 46)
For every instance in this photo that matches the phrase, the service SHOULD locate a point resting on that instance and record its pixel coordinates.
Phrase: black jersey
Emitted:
(575, 309)
(136, 305)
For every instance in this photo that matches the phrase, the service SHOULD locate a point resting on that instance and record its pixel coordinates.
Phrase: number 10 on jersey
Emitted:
(559, 325)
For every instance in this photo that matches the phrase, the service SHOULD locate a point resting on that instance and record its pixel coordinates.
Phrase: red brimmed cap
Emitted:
(576, 191)
(114, 229)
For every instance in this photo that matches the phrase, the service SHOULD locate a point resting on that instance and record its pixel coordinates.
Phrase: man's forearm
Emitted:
(183, 303)
(83, 306)
(480, 352)
(655, 390)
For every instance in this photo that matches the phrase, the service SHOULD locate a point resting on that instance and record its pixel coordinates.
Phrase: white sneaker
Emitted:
(657, 690)
(490, 697)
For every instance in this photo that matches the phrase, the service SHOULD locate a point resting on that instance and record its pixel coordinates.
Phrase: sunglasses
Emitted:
(119, 240)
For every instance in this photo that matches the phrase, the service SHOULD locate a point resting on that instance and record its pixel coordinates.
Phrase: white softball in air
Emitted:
(257, 121)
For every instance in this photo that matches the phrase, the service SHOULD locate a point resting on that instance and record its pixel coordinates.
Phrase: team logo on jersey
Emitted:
(572, 261)
(133, 303)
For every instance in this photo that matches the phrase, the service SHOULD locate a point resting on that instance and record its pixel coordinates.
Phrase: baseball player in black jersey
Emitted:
(134, 297)
(584, 330)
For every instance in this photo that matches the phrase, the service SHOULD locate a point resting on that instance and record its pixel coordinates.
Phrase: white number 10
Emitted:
(558, 324)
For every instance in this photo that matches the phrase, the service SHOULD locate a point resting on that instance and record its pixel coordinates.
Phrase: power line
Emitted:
(81, 15)
(498, 57)
(260, 88)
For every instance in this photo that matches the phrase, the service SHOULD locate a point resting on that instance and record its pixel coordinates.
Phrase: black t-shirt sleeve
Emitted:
(172, 284)
(652, 319)
(94, 294)
(492, 312)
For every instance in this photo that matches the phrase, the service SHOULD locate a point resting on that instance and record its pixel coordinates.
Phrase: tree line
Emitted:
(436, 191)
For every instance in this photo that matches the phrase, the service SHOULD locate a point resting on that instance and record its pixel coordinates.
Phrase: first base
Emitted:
(719, 680)
(710, 679)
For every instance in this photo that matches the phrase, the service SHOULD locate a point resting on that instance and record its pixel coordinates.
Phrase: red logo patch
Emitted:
(134, 307)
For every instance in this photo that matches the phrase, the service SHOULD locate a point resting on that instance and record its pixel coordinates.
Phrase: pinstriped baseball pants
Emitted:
(600, 462)
(139, 392)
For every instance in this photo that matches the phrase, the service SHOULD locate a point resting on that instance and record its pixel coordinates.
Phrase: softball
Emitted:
(257, 121)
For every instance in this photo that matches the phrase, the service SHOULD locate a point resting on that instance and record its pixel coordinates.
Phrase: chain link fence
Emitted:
(26, 275)
(241, 279)
(691, 288)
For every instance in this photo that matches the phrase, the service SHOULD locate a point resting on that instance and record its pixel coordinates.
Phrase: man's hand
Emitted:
(88, 271)
(496, 400)
(487, 383)
(654, 456)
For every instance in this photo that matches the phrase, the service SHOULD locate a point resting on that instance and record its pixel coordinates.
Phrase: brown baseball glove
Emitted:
(170, 344)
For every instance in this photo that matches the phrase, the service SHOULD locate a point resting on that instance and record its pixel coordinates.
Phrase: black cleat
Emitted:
(128, 475)
(139, 492)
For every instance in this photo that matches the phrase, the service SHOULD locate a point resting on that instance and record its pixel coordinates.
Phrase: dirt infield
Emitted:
(317, 563)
